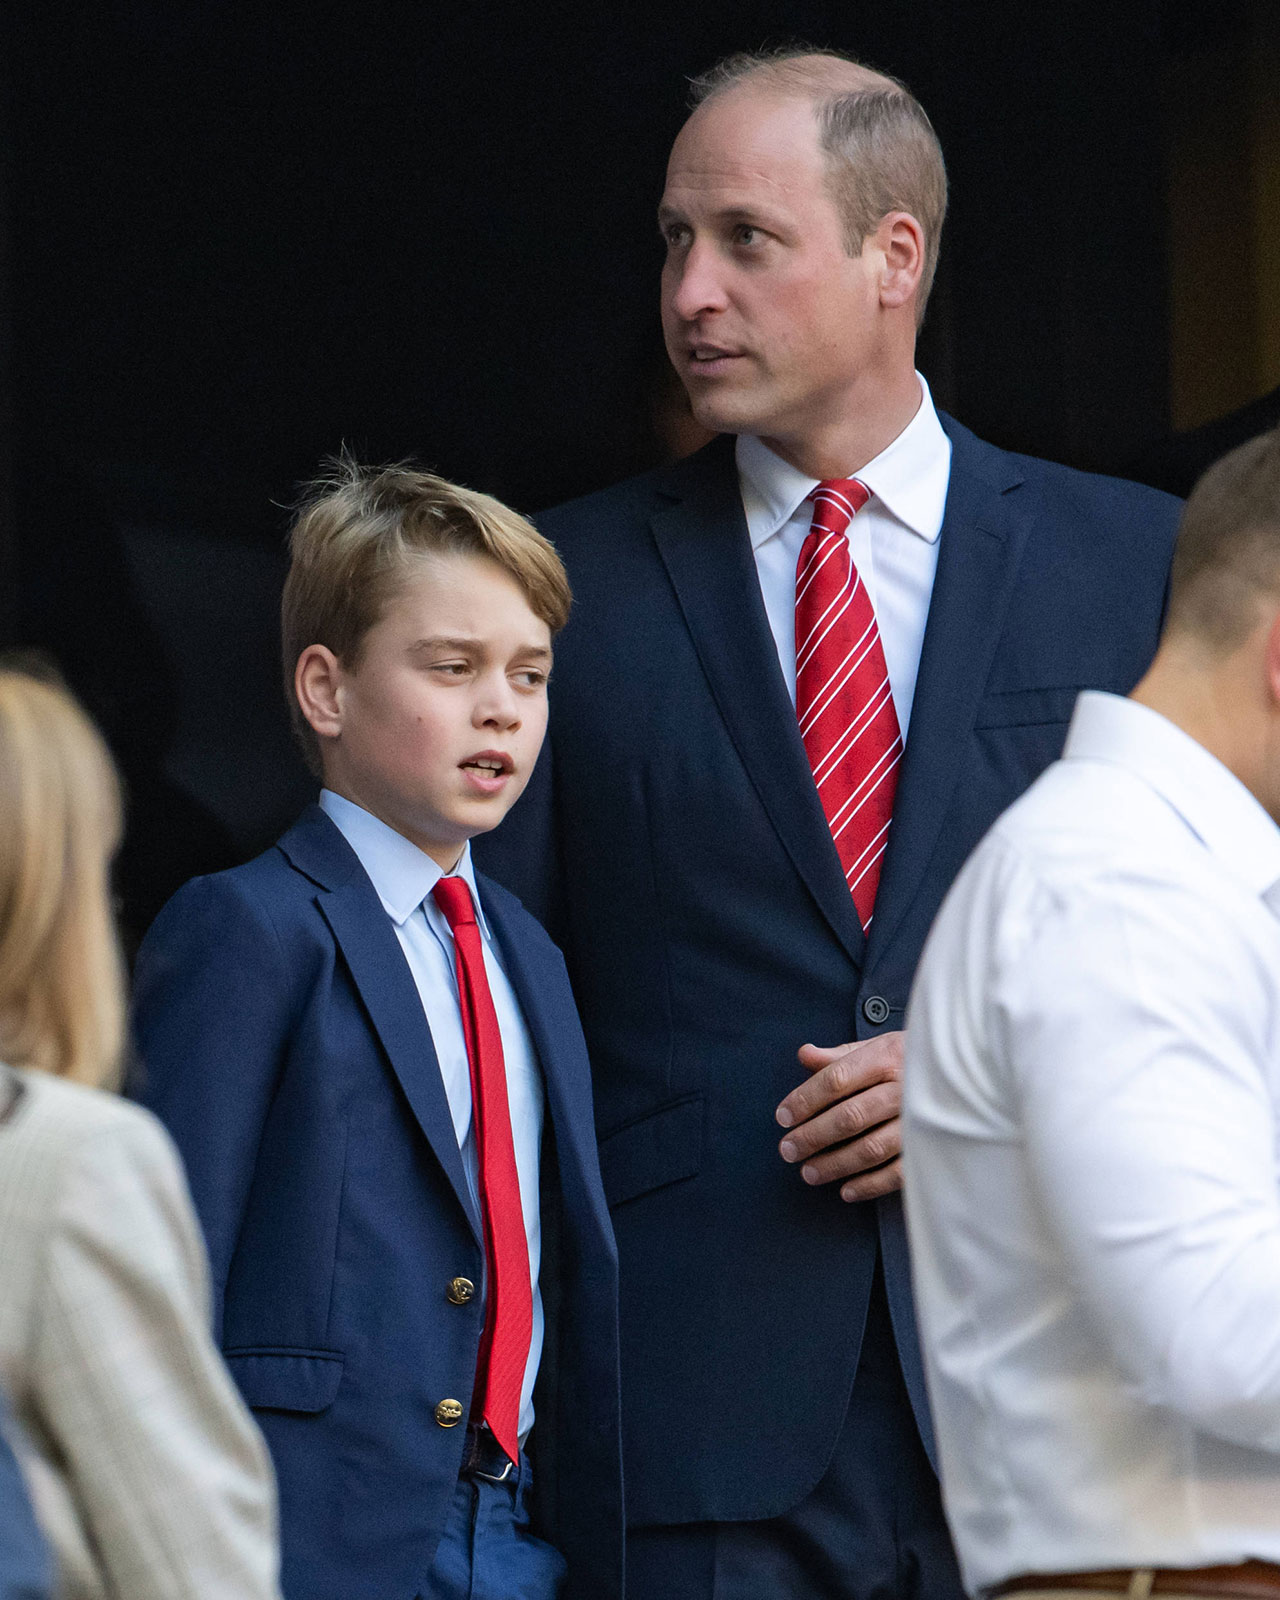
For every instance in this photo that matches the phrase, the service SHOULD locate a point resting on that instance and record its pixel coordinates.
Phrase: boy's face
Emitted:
(437, 728)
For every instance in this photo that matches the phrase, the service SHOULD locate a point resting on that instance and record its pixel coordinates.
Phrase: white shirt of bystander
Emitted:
(1092, 1114)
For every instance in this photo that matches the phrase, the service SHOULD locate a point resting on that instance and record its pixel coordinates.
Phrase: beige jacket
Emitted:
(146, 1472)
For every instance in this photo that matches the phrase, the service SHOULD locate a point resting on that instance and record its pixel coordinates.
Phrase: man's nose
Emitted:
(696, 284)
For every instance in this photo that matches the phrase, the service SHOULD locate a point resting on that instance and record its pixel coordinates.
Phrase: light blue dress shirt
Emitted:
(404, 877)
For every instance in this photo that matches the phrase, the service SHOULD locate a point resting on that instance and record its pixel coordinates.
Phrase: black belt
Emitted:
(483, 1457)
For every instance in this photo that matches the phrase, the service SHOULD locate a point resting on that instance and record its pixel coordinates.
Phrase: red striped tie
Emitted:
(843, 697)
(508, 1314)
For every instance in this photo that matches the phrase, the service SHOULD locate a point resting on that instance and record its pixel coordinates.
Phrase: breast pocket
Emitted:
(1026, 708)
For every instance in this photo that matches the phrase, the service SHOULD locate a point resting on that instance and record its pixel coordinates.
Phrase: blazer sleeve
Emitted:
(212, 1021)
(171, 1478)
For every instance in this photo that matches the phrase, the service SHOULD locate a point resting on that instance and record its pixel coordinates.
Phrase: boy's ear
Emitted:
(317, 682)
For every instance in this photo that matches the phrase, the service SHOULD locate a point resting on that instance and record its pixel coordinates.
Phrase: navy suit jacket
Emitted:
(283, 1043)
(673, 839)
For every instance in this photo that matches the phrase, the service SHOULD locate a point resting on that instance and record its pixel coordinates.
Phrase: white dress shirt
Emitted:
(893, 540)
(1092, 1094)
(404, 877)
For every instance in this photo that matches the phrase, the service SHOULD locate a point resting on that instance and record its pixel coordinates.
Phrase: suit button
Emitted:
(449, 1413)
(875, 1008)
(460, 1290)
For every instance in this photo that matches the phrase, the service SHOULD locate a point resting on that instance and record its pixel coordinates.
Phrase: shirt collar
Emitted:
(402, 874)
(909, 477)
(1212, 801)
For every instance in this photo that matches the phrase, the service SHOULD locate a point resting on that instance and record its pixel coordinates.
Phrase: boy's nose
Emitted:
(498, 707)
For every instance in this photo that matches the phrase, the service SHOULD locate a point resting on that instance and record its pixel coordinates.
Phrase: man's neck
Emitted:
(839, 447)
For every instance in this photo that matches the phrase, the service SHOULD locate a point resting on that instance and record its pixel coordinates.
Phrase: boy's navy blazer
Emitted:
(283, 1042)
(673, 840)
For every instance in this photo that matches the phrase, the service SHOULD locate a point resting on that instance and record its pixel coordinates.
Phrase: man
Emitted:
(1093, 1103)
(715, 901)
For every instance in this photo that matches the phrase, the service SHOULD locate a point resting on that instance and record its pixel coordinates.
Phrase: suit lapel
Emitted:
(704, 545)
(978, 554)
(363, 931)
(537, 977)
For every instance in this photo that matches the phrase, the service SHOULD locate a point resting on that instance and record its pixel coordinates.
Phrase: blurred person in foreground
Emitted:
(145, 1469)
(1092, 1116)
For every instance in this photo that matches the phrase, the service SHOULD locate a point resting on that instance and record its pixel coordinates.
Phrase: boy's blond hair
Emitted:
(61, 976)
(355, 536)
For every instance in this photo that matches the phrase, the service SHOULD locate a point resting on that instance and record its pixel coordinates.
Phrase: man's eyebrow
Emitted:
(756, 214)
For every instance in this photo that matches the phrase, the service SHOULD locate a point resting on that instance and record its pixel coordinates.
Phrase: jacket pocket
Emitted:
(1021, 708)
(660, 1148)
(286, 1380)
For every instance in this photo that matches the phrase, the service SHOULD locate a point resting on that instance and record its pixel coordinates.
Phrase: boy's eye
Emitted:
(531, 677)
(451, 669)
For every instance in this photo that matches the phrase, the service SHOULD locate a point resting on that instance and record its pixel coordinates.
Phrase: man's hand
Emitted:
(844, 1121)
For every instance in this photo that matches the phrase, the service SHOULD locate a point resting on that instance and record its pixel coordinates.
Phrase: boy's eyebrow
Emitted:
(439, 642)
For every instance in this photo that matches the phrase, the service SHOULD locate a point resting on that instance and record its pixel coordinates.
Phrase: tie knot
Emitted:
(836, 501)
(454, 898)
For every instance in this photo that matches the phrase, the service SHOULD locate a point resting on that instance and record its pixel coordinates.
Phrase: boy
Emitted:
(370, 1058)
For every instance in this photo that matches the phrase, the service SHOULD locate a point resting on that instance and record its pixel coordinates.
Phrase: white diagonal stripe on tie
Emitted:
(838, 679)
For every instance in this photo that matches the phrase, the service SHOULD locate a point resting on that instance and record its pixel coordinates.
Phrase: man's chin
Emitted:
(727, 414)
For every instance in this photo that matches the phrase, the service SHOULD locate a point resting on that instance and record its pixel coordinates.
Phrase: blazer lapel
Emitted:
(980, 546)
(704, 545)
(360, 925)
(538, 977)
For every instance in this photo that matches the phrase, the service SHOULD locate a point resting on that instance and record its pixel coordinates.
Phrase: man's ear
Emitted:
(900, 240)
(317, 682)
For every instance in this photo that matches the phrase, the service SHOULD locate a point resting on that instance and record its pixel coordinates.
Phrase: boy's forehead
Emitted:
(459, 596)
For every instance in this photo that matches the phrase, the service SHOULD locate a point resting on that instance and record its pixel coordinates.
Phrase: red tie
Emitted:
(843, 697)
(508, 1316)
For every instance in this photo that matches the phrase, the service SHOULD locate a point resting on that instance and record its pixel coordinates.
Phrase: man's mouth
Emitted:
(710, 358)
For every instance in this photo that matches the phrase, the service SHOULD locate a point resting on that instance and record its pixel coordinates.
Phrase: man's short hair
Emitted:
(356, 535)
(882, 153)
(1227, 558)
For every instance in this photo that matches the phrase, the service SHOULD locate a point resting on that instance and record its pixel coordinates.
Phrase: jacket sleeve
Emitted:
(212, 1020)
(170, 1477)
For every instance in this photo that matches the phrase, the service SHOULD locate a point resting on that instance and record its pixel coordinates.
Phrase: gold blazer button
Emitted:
(449, 1413)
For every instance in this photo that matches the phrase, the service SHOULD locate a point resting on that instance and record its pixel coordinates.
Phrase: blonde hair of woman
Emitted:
(145, 1469)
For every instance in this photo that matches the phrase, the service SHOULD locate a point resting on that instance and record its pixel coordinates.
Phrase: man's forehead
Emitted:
(750, 144)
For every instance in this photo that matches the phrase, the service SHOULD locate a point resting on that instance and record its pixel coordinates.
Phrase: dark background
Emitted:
(231, 241)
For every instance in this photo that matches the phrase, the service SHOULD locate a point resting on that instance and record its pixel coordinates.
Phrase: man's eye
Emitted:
(450, 669)
(674, 235)
(748, 235)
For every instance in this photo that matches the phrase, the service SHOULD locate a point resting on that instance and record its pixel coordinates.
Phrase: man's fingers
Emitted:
(854, 1117)
(850, 1070)
(871, 1185)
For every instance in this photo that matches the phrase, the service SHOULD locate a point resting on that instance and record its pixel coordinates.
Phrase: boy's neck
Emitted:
(446, 856)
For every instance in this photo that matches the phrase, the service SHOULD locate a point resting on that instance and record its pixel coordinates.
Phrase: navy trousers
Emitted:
(487, 1551)
(872, 1529)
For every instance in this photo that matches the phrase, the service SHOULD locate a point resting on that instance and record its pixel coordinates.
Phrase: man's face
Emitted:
(770, 323)
(444, 713)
